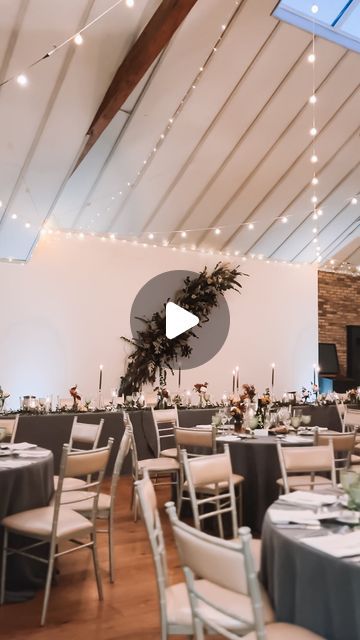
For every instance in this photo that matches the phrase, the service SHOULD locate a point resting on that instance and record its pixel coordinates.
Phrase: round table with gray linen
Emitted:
(309, 587)
(27, 486)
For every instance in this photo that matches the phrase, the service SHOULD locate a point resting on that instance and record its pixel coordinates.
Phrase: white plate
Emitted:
(350, 517)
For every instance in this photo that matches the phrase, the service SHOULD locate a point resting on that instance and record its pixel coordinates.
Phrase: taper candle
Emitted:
(272, 375)
(179, 378)
(100, 376)
(237, 378)
(233, 382)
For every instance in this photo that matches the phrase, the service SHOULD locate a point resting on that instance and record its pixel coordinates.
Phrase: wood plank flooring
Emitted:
(130, 607)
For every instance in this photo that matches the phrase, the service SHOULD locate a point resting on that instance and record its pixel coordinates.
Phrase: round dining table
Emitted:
(307, 586)
(26, 482)
(256, 459)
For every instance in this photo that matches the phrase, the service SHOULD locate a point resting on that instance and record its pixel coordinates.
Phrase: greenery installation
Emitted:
(153, 352)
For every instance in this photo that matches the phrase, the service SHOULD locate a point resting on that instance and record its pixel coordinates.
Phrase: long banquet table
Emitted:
(309, 587)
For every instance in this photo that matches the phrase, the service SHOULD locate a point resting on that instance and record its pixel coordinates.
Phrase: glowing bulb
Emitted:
(311, 57)
(313, 99)
(250, 226)
(315, 216)
(0, 203)
(183, 234)
(314, 230)
(354, 200)
(332, 261)
(217, 231)
(81, 236)
(315, 240)
(314, 8)
(14, 216)
(27, 225)
(22, 80)
(284, 219)
(320, 212)
(314, 158)
(78, 39)
(130, 3)
(315, 181)
(112, 236)
(314, 199)
(313, 131)
(151, 236)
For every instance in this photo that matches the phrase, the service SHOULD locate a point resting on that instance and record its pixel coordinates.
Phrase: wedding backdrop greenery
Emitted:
(154, 353)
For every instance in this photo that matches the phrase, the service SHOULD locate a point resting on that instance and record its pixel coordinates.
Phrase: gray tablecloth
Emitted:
(53, 430)
(308, 587)
(23, 488)
(257, 460)
(323, 416)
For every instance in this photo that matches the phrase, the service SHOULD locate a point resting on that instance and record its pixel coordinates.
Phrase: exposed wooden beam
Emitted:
(155, 36)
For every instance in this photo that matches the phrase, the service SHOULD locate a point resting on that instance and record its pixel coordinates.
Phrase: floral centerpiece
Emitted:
(201, 390)
(352, 396)
(3, 396)
(76, 398)
(238, 409)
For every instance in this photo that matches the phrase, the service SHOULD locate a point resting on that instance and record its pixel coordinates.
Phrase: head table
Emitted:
(26, 482)
(309, 587)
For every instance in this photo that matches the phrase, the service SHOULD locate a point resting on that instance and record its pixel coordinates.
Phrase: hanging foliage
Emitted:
(153, 351)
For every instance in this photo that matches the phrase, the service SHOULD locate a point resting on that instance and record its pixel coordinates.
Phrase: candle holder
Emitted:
(100, 402)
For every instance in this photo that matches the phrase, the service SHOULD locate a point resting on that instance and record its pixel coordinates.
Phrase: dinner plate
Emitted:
(350, 517)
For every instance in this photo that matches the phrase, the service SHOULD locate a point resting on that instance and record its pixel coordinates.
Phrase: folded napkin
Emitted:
(296, 439)
(21, 446)
(228, 438)
(206, 427)
(288, 516)
(339, 545)
(261, 432)
(36, 453)
(308, 498)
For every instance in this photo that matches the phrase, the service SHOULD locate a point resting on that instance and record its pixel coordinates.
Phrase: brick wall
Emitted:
(339, 306)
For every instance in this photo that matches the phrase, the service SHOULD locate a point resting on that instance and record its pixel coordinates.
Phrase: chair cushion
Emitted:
(355, 459)
(285, 631)
(70, 483)
(169, 453)
(303, 481)
(159, 464)
(210, 488)
(179, 611)
(70, 500)
(37, 523)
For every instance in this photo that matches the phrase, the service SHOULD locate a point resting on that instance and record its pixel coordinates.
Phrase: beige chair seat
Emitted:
(285, 631)
(220, 485)
(355, 459)
(179, 611)
(304, 481)
(71, 498)
(70, 484)
(159, 464)
(39, 522)
(169, 453)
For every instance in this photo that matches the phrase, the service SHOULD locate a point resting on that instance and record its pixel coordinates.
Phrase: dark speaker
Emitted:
(353, 353)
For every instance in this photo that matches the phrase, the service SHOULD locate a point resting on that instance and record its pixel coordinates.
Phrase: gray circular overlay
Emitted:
(163, 288)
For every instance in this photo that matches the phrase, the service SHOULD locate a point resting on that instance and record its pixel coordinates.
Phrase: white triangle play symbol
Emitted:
(178, 320)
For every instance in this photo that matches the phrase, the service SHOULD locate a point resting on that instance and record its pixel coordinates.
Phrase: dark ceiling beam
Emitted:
(152, 40)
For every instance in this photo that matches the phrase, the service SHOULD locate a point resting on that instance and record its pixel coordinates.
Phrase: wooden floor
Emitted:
(130, 607)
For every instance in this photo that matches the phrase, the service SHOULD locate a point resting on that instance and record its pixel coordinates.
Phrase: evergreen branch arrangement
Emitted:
(152, 351)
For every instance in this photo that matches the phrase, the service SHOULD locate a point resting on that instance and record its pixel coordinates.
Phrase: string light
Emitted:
(130, 3)
(78, 39)
(27, 225)
(313, 131)
(354, 200)
(183, 234)
(315, 181)
(250, 226)
(284, 219)
(217, 231)
(13, 216)
(22, 80)
(314, 8)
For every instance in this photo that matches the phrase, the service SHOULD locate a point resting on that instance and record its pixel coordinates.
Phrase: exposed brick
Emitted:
(339, 306)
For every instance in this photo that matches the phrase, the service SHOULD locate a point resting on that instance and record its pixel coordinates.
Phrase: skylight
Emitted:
(336, 20)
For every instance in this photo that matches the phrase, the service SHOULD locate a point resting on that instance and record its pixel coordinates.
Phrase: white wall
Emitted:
(64, 312)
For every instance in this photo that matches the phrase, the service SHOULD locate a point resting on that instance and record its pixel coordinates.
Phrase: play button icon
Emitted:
(178, 320)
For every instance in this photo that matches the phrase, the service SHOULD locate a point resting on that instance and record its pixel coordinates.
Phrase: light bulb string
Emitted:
(57, 47)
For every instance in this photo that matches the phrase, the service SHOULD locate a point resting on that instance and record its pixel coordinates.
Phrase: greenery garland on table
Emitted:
(153, 351)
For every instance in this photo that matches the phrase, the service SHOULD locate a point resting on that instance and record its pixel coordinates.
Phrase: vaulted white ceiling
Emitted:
(233, 150)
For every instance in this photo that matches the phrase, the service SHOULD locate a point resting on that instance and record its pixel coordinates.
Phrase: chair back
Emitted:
(343, 446)
(134, 457)
(193, 438)
(10, 425)
(341, 413)
(147, 498)
(225, 564)
(211, 470)
(76, 464)
(85, 433)
(352, 419)
(165, 421)
(306, 460)
(124, 449)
